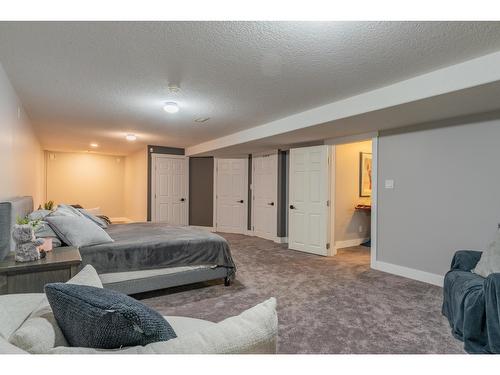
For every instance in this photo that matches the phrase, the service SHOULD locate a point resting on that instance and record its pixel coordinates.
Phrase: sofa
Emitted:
(472, 304)
(27, 325)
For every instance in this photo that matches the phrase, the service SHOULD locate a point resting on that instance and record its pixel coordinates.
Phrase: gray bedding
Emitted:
(145, 246)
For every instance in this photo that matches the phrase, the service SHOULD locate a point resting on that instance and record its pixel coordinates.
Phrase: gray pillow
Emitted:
(43, 230)
(103, 318)
(38, 214)
(66, 210)
(78, 231)
(94, 218)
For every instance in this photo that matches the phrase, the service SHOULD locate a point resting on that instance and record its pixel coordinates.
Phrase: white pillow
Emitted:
(252, 332)
(490, 259)
(40, 332)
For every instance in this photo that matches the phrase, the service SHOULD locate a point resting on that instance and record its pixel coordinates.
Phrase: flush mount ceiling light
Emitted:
(202, 119)
(131, 137)
(94, 145)
(171, 107)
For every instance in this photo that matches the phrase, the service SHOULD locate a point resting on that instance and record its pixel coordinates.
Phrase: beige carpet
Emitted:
(325, 305)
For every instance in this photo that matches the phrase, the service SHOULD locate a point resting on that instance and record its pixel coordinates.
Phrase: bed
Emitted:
(143, 256)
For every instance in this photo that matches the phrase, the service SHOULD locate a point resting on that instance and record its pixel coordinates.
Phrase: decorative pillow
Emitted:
(490, 259)
(78, 231)
(66, 210)
(38, 214)
(43, 230)
(94, 218)
(103, 318)
(40, 332)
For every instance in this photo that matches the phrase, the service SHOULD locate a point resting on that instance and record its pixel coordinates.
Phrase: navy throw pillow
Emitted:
(104, 319)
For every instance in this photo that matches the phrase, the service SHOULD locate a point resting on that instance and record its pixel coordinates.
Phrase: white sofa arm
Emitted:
(252, 332)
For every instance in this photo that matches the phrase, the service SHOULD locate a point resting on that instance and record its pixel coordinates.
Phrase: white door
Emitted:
(265, 196)
(231, 195)
(170, 189)
(308, 199)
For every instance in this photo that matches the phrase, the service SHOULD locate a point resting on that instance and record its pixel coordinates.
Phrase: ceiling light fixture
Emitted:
(94, 145)
(131, 137)
(171, 107)
(202, 119)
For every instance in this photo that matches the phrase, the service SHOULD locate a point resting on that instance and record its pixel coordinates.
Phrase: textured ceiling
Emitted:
(97, 81)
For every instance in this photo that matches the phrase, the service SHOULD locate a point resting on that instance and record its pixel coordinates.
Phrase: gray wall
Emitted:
(446, 194)
(201, 191)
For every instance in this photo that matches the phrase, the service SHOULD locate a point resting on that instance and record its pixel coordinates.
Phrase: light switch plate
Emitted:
(389, 184)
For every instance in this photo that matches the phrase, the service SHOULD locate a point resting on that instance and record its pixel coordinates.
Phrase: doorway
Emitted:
(351, 195)
(231, 195)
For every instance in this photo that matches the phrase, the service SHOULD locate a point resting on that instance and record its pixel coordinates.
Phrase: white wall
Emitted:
(446, 194)
(136, 189)
(21, 157)
(88, 179)
(347, 219)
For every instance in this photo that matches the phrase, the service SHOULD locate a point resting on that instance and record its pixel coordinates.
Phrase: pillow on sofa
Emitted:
(490, 259)
(254, 331)
(94, 218)
(78, 231)
(103, 318)
(40, 332)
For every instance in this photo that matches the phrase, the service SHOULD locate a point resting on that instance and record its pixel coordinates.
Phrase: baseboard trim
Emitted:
(409, 273)
(350, 243)
(210, 229)
(281, 239)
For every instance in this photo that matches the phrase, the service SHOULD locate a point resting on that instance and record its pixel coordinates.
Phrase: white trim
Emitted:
(281, 240)
(350, 138)
(410, 273)
(374, 203)
(471, 73)
(331, 219)
(350, 243)
(210, 229)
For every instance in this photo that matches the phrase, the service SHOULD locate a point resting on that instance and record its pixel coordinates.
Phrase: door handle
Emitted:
(292, 207)
(271, 204)
(182, 199)
(241, 201)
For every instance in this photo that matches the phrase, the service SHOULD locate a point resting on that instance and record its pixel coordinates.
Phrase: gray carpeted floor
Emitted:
(325, 305)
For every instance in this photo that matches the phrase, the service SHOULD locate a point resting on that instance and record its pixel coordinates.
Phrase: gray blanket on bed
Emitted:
(145, 246)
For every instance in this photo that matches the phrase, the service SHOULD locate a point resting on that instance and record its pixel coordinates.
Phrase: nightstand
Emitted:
(60, 265)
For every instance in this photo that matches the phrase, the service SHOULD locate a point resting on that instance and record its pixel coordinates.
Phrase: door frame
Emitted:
(216, 170)
(154, 158)
(374, 198)
(252, 224)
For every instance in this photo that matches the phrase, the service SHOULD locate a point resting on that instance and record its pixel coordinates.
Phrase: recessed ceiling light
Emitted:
(94, 145)
(202, 119)
(130, 137)
(171, 107)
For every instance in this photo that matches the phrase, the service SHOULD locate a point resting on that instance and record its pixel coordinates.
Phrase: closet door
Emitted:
(231, 195)
(265, 196)
(308, 199)
(170, 189)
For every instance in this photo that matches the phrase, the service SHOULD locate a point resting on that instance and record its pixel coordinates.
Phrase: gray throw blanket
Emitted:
(471, 304)
(145, 246)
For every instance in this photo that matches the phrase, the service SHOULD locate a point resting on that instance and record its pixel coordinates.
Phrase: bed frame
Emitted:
(131, 282)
